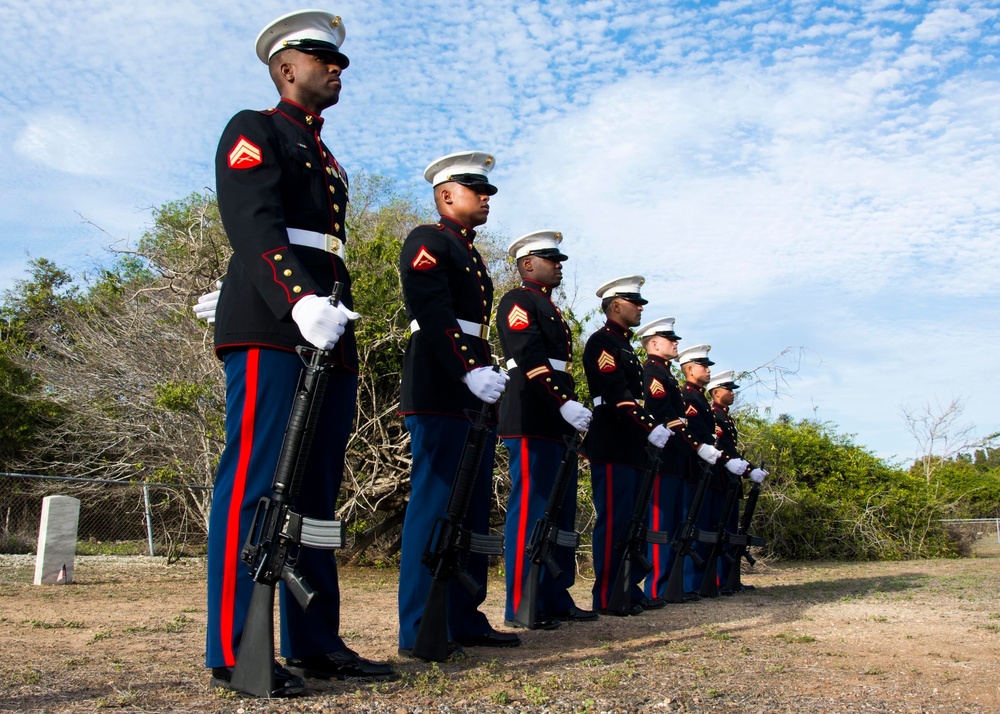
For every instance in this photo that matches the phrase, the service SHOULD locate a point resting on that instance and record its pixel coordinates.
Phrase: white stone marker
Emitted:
(57, 539)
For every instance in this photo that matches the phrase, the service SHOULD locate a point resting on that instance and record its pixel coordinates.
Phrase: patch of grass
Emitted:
(774, 668)
(879, 618)
(535, 694)
(874, 670)
(431, 681)
(995, 616)
(794, 639)
(992, 627)
(592, 662)
(713, 634)
(98, 636)
(500, 697)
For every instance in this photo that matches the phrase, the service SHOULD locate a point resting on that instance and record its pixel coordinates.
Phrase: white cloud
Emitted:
(788, 164)
(64, 144)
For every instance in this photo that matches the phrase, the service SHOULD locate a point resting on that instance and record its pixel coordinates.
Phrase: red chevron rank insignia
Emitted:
(244, 155)
(691, 410)
(517, 318)
(605, 362)
(424, 260)
(656, 388)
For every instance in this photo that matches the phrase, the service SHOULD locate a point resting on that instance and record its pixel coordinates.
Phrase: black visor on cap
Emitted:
(634, 298)
(727, 385)
(478, 182)
(549, 254)
(669, 335)
(317, 47)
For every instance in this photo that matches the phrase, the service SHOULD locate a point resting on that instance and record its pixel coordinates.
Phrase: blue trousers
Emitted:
(614, 487)
(436, 444)
(260, 387)
(533, 467)
(666, 513)
(708, 519)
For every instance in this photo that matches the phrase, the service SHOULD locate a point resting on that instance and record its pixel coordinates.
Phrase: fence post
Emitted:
(149, 517)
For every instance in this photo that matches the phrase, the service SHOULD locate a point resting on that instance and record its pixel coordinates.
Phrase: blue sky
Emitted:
(785, 174)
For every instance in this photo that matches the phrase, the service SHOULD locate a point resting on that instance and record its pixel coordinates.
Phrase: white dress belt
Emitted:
(557, 364)
(598, 401)
(312, 239)
(470, 328)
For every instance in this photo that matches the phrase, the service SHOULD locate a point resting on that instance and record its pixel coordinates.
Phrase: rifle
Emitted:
(449, 543)
(632, 544)
(277, 532)
(742, 541)
(546, 536)
(718, 540)
(684, 539)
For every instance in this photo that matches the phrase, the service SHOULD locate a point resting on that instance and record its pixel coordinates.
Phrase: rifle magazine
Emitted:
(485, 544)
(658, 537)
(568, 539)
(322, 535)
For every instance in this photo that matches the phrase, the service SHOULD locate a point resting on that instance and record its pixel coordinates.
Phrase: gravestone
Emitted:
(57, 540)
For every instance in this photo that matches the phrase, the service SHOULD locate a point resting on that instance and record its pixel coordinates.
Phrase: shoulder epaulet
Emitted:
(267, 112)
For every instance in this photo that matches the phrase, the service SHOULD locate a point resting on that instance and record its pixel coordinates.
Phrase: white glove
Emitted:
(757, 475)
(709, 453)
(486, 383)
(321, 323)
(576, 414)
(659, 435)
(204, 309)
(737, 466)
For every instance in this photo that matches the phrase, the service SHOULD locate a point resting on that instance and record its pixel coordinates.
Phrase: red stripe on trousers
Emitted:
(655, 526)
(608, 540)
(522, 523)
(232, 559)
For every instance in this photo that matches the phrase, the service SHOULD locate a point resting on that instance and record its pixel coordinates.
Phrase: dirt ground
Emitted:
(128, 635)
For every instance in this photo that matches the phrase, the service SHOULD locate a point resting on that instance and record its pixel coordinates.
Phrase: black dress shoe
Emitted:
(491, 638)
(745, 588)
(576, 614)
(635, 609)
(544, 622)
(286, 684)
(455, 651)
(652, 603)
(343, 664)
(691, 597)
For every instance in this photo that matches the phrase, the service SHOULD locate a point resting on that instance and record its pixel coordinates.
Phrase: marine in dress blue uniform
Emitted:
(282, 198)
(619, 433)
(447, 371)
(539, 412)
(696, 366)
(662, 397)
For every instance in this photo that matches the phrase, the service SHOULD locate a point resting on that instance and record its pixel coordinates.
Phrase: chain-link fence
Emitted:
(123, 518)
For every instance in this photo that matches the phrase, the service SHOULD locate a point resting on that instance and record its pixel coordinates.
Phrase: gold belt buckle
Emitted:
(334, 245)
(484, 332)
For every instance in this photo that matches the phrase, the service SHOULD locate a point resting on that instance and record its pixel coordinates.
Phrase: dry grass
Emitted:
(128, 635)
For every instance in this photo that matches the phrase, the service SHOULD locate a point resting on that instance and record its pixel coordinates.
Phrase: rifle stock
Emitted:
(546, 537)
(449, 543)
(632, 545)
(276, 533)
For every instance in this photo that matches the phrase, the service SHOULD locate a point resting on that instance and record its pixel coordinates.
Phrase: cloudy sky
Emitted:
(784, 173)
